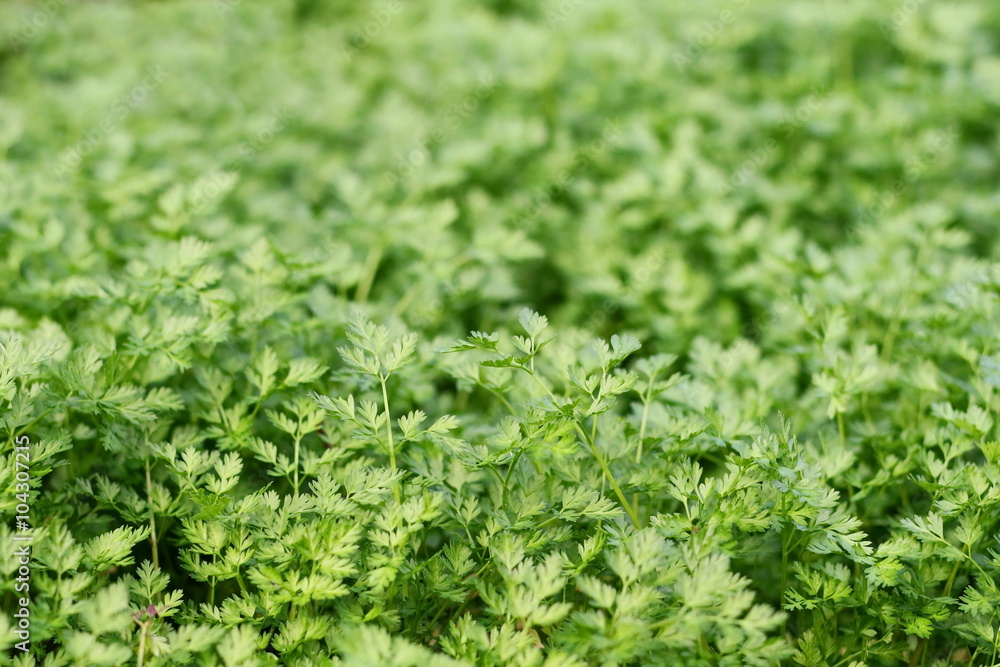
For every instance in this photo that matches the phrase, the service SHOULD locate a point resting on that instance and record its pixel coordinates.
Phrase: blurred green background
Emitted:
(670, 169)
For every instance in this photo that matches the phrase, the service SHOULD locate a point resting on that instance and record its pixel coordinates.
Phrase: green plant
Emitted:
(518, 340)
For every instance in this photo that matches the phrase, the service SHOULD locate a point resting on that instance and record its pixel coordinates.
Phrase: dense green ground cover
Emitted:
(593, 332)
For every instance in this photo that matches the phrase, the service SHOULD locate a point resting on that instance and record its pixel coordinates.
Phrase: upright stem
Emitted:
(141, 658)
(785, 549)
(152, 518)
(784, 569)
(610, 477)
(503, 400)
(368, 278)
(388, 436)
(951, 579)
(296, 484)
(891, 333)
(642, 433)
(547, 389)
(243, 586)
(405, 301)
(510, 472)
(645, 417)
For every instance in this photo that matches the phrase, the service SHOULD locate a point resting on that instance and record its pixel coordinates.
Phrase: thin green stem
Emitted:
(497, 474)
(20, 431)
(609, 476)
(261, 397)
(243, 586)
(368, 277)
(465, 604)
(647, 399)
(545, 387)
(951, 579)
(296, 473)
(704, 650)
(645, 417)
(141, 657)
(784, 563)
(893, 330)
(388, 431)
(785, 548)
(510, 472)
(502, 399)
(152, 518)
(851, 656)
(478, 572)
(444, 605)
(406, 299)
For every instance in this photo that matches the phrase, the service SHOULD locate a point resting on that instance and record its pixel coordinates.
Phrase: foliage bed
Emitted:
(501, 333)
